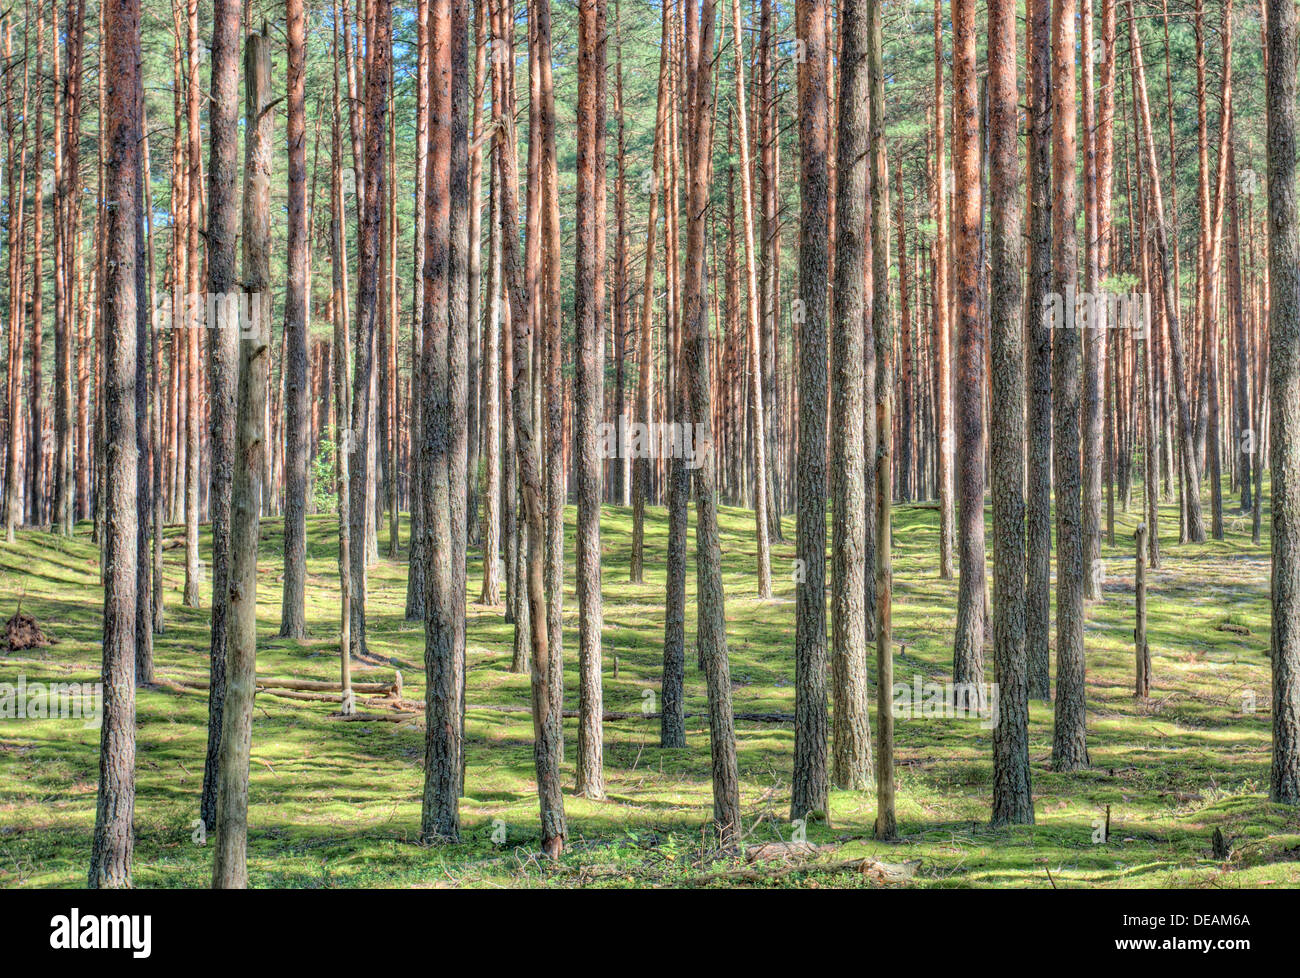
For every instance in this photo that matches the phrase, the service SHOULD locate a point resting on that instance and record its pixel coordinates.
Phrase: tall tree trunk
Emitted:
(1095, 324)
(416, 561)
(457, 356)
(144, 484)
(361, 441)
(342, 390)
(1160, 235)
(230, 862)
(1105, 257)
(762, 547)
(809, 793)
(193, 311)
(440, 814)
(67, 197)
(36, 431)
(589, 319)
(492, 442)
(1069, 745)
(1284, 376)
(677, 412)
(1038, 506)
(968, 644)
(113, 842)
(223, 212)
(886, 825)
(297, 434)
(711, 634)
(851, 732)
(474, 313)
(547, 749)
(17, 181)
(641, 467)
(770, 165)
(1013, 800)
(942, 319)
(553, 357)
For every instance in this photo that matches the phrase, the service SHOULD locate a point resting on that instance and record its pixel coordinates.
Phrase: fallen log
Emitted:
(376, 717)
(784, 850)
(315, 685)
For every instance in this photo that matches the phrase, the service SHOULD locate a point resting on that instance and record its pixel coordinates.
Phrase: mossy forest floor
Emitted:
(337, 804)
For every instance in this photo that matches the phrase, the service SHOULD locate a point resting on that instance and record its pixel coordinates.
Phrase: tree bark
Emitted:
(547, 735)
(762, 547)
(297, 423)
(1069, 744)
(942, 317)
(444, 675)
(1013, 801)
(1195, 527)
(885, 826)
(1038, 508)
(968, 645)
(809, 796)
(1284, 376)
(223, 212)
(229, 867)
(711, 634)
(589, 320)
(851, 731)
(193, 316)
(113, 842)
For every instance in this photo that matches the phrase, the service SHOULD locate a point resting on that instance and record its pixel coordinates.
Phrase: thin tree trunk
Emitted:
(490, 593)
(342, 390)
(1094, 325)
(416, 561)
(589, 318)
(762, 546)
(193, 313)
(297, 434)
(553, 356)
(641, 467)
(36, 431)
(711, 632)
(968, 644)
(547, 748)
(1186, 440)
(368, 316)
(886, 824)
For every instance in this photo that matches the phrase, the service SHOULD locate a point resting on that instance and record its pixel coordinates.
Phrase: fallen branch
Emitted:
(873, 868)
(607, 715)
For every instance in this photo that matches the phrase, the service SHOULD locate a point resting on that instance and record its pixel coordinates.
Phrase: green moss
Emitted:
(338, 804)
